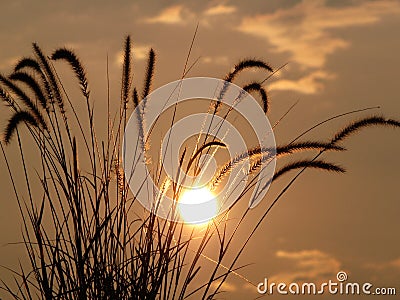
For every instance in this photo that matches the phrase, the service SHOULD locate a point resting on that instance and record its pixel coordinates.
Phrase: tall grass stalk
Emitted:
(83, 232)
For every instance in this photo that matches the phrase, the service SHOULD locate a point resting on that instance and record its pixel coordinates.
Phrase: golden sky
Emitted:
(340, 56)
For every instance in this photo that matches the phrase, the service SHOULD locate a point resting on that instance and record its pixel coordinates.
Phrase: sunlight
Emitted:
(198, 206)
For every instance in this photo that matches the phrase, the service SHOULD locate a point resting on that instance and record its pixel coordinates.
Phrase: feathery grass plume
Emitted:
(267, 154)
(257, 87)
(227, 168)
(135, 98)
(247, 64)
(149, 73)
(139, 117)
(26, 100)
(307, 145)
(239, 67)
(200, 150)
(362, 123)
(8, 99)
(29, 63)
(48, 73)
(126, 71)
(296, 147)
(15, 120)
(70, 56)
(119, 173)
(33, 84)
(315, 164)
(290, 149)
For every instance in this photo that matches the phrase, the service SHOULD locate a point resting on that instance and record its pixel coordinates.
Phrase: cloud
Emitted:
(139, 52)
(179, 14)
(304, 31)
(307, 265)
(308, 32)
(226, 287)
(309, 84)
(393, 264)
(220, 10)
(172, 15)
(220, 60)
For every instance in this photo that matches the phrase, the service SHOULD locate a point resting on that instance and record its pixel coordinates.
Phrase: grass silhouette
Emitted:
(82, 235)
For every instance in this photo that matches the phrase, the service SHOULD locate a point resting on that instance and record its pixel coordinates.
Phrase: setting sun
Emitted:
(198, 206)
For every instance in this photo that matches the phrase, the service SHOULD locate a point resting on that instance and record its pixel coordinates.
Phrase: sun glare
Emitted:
(198, 206)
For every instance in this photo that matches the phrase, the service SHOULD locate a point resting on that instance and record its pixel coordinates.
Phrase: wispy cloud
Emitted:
(307, 32)
(396, 263)
(226, 287)
(310, 84)
(307, 265)
(139, 52)
(393, 264)
(220, 9)
(176, 14)
(181, 14)
(220, 60)
(304, 30)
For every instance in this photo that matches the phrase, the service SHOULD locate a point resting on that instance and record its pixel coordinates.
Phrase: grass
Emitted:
(84, 234)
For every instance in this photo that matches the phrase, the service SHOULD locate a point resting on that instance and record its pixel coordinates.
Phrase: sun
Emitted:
(198, 206)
